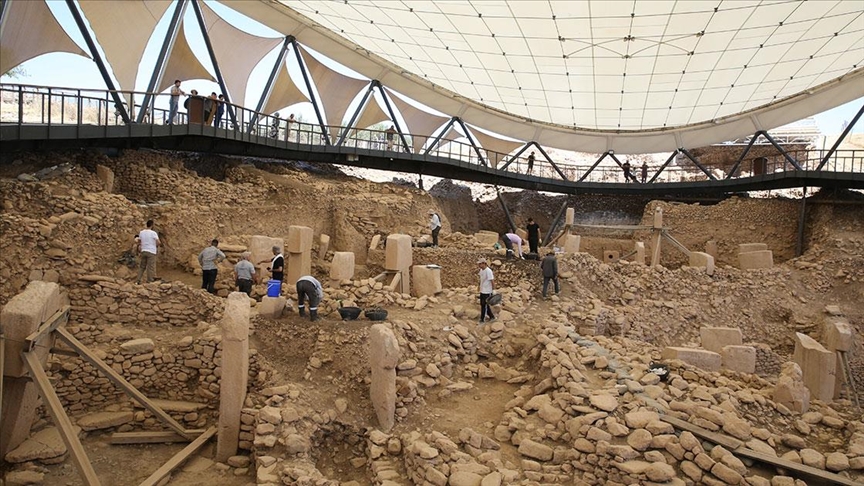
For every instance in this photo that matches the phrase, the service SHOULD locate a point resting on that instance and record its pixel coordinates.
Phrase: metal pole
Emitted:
(4, 12)
(312, 96)
(516, 155)
(802, 219)
(470, 139)
(696, 162)
(593, 166)
(839, 140)
(79, 20)
(159, 68)
(668, 161)
(782, 151)
(743, 154)
(393, 117)
(506, 211)
(549, 159)
(555, 223)
(356, 114)
(203, 25)
(268, 88)
(440, 134)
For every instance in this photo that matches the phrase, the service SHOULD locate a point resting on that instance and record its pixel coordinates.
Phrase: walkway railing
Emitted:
(54, 106)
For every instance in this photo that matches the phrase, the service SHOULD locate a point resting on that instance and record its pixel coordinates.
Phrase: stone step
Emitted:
(176, 406)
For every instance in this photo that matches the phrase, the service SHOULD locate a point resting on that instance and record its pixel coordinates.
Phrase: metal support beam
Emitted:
(203, 25)
(516, 155)
(471, 139)
(4, 10)
(394, 120)
(743, 154)
(506, 211)
(696, 162)
(312, 97)
(356, 114)
(593, 167)
(782, 151)
(802, 221)
(441, 133)
(668, 161)
(555, 223)
(549, 159)
(103, 70)
(268, 88)
(159, 67)
(839, 140)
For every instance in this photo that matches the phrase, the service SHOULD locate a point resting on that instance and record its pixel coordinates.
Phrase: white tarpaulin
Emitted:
(337, 90)
(499, 148)
(284, 93)
(236, 51)
(182, 64)
(31, 30)
(420, 123)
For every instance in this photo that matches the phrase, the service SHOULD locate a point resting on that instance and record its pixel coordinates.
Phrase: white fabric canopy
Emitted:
(285, 92)
(183, 64)
(123, 41)
(372, 114)
(420, 123)
(236, 51)
(337, 90)
(31, 30)
(499, 147)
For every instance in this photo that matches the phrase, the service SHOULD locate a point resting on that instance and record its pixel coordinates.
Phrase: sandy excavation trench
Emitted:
(555, 391)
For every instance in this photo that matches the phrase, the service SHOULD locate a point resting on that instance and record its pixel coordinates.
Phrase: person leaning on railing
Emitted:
(174, 101)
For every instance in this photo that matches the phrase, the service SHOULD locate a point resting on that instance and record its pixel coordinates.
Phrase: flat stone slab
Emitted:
(45, 444)
(137, 346)
(175, 405)
(700, 358)
(104, 420)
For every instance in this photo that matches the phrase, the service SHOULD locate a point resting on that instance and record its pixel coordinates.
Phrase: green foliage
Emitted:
(15, 73)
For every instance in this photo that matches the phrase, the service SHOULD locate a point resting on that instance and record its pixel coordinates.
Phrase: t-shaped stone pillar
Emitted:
(818, 366)
(383, 358)
(299, 248)
(235, 373)
(398, 257)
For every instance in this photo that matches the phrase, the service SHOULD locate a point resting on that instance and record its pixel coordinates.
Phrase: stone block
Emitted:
(658, 218)
(739, 358)
(700, 358)
(570, 216)
(271, 307)
(426, 280)
(818, 366)
(105, 175)
(791, 391)
(299, 239)
(261, 249)
(323, 245)
(342, 266)
(572, 243)
(383, 357)
(398, 253)
(21, 316)
(235, 373)
(702, 260)
(299, 265)
(711, 248)
(756, 259)
(610, 256)
(522, 234)
(748, 247)
(715, 338)
(137, 346)
(376, 240)
(639, 248)
(486, 238)
(838, 334)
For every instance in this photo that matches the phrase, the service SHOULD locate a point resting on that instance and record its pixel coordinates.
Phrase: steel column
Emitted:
(555, 222)
(355, 114)
(268, 88)
(311, 93)
(802, 220)
(4, 10)
(551, 162)
(471, 139)
(782, 151)
(103, 70)
(593, 166)
(696, 162)
(839, 140)
(668, 161)
(203, 25)
(516, 155)
(393, 117)
(743, 154)
(441, 133)
(506, 211)
(159, 67)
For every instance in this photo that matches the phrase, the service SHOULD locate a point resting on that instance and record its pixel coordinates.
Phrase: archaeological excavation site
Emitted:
(692, 342)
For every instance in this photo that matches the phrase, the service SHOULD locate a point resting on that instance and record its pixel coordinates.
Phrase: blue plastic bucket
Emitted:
(274, 288)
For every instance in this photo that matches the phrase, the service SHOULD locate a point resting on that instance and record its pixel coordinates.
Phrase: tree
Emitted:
(15, 73)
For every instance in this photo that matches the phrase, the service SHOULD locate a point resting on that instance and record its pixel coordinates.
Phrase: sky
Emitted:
(69, 70)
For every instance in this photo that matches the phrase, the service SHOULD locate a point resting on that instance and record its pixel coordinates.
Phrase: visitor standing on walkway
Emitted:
(533, 235)
(244, 274)
(220, 111)
(549, 266)
(435, 226)
(644, 172)
(308, 287)
(511, 239)
(391, 135)
(150, 244)
(626, 168)
(530, 163)
(277, 265)
(487, 287)
(174, 101)
(209, 258)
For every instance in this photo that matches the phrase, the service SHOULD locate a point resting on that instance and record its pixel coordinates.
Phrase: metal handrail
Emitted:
(24, 104)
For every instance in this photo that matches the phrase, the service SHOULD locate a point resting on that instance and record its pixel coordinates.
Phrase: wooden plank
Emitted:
(121, 382)
(61, 420)
(59, 317)
(724, 440)
(179, 458)
(801, 469)
(151, 437)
